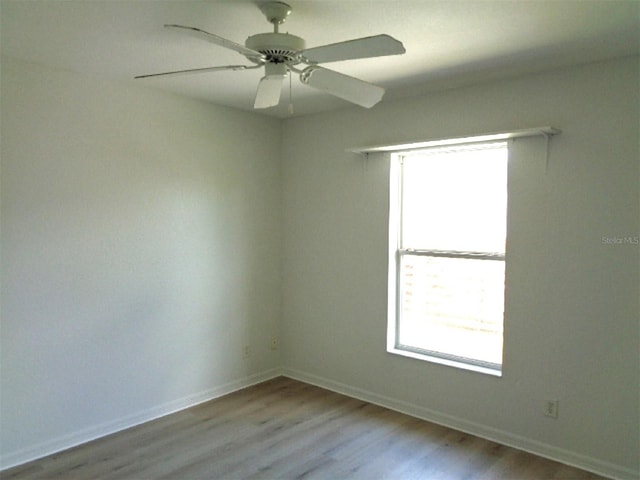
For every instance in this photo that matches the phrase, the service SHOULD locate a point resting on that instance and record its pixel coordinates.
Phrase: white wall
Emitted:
(572, 326)
(140, 252)
(141, 248)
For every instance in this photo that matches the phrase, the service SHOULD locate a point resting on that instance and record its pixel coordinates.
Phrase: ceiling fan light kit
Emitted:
(280, 53)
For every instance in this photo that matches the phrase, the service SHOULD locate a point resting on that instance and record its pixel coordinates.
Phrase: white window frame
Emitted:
(396, 252)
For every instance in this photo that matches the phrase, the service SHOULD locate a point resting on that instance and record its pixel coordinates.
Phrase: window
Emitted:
(447, 258)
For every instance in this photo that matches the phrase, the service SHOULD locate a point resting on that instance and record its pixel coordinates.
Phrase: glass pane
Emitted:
(453, 306)
(455, 199)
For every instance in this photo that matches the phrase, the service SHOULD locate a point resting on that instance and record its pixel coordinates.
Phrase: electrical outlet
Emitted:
(246, 351)
(551, 408)
(275, 343)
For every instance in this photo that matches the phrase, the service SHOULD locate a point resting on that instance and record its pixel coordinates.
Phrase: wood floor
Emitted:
(285, 429)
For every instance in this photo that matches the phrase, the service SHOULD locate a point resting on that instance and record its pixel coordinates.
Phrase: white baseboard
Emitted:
(94, 432)
(505, 438)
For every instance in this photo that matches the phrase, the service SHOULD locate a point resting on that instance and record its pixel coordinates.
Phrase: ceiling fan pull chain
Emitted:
(290, 101)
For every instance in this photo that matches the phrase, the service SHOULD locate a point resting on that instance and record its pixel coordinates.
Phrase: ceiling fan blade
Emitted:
(220, 41)
(343, 86)
(200, 70)
(367, 47)
(269, 89)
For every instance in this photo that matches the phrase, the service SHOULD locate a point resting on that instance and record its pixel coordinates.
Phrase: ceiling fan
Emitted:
(280, 53)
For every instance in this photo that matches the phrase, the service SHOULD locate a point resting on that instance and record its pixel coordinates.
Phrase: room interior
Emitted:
(163, 243)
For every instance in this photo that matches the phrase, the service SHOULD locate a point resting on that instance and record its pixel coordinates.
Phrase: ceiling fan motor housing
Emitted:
(278, 47)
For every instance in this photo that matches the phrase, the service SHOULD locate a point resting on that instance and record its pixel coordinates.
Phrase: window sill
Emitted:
(444, 361)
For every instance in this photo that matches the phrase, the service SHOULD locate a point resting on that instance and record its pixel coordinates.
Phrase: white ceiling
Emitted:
(448, 42)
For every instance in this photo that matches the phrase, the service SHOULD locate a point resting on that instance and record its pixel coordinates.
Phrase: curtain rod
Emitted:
(485, 137)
